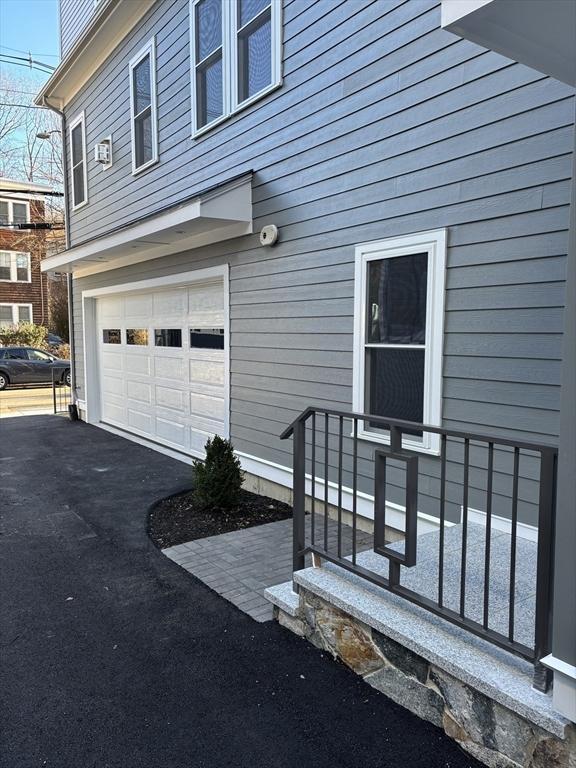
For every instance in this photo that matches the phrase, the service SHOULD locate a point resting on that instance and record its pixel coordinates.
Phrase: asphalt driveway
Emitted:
(114, 656)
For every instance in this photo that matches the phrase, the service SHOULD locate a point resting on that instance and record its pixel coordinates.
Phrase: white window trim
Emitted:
(148, 50)
(230, 63)
(434, 243)
(11, 202)
(77, 120)
(13, 267)
(14, 308)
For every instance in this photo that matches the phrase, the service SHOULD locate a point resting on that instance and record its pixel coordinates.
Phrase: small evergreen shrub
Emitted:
(218, 479)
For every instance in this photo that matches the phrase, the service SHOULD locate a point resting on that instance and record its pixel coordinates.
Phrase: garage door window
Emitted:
(207, 338)
(137, 337)
(112, 336)
(168, 337)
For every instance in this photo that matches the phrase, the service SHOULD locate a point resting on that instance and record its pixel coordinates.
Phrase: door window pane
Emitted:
(168, 337)
(137, 337)
(112, 336)
(24, 314)
(6, 315)
(395, 383)
(397, 300)
(255, 58)
(16, 354)
(208, 28)
(23, 267)
(207, 338)
(5, 262)
(20, 213)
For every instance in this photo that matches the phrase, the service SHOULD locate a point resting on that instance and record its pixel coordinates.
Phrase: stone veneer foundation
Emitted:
(494, 734)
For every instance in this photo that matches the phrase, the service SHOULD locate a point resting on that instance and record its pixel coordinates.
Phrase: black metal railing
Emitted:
(61, 393)
(325, 453)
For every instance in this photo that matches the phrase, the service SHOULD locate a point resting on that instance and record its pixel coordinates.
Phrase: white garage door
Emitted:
(161, 364)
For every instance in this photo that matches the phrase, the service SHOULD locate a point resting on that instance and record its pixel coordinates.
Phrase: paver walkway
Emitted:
(112, 656)
(241, 565)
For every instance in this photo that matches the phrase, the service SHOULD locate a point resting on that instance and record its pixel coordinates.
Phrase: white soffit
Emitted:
(538, 33)
(216, 215)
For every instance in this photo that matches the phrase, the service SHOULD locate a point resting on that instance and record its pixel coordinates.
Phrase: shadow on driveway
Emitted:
(115, 657)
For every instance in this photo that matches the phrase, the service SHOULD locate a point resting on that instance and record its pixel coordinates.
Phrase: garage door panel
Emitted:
(143, 422)
(138, 309)
(172, 431)
(137, 364)
(207, 407)
(206, 372)
(139, 390)
(170, 304)
(174, 395)
(171, 398)
(169, 368)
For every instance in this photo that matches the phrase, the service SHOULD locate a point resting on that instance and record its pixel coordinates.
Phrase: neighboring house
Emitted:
(418, 186)
(23, 286)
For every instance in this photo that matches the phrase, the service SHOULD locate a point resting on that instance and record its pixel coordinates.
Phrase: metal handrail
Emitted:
(546, 517)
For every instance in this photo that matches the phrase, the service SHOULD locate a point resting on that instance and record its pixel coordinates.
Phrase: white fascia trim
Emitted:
(498, 523)
(235, 208)
(180, 278)
(395, 513)
(435, 243)
(558, 665)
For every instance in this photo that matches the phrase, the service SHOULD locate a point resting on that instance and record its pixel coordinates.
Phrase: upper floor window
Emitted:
(15, 267)
(143, 108)
(14, 212)
(399, 320)
(78, 162)
(236, 55)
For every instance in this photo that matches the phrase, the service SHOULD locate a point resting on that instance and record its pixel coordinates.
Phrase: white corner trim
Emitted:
(558, 665)
(277, 473)
(524, 531)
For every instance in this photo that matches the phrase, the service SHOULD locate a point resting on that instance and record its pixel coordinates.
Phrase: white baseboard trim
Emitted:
(277, 473)
(564, 692)
(525, 531)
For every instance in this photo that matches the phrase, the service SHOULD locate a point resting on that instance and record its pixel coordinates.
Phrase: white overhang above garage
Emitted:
(217, 214)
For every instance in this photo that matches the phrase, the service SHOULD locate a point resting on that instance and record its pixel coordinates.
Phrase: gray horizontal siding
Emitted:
(74, 17)
(385, 125)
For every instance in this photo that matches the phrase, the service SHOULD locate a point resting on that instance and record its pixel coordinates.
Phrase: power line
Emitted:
(18, 50)
(22, 106)
(29, 60)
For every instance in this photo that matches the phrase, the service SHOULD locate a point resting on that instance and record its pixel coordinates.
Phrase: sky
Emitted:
(28, 26)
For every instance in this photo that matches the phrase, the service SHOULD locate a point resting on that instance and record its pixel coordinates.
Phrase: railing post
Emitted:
(393, 566)
(299, 495)
(54, 392)
(545, 561)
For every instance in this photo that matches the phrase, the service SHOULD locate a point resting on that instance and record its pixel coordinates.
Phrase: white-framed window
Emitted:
(77, 134)
(15, 267)
(143, 112)
(13, 314)
(398, 334)
(236, 56)
(14, 212)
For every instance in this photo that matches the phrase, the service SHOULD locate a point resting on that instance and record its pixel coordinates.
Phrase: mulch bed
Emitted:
(179, 518)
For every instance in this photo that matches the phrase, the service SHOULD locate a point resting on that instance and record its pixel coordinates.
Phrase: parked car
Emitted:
(54, 341)
(26, 365)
